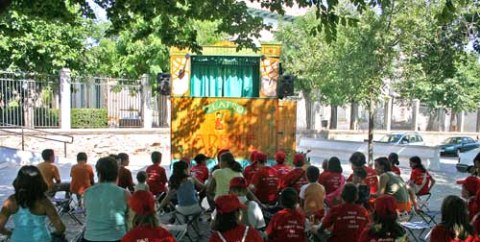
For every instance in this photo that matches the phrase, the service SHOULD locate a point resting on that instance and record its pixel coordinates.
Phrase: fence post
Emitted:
(147, 102)
(65, 98)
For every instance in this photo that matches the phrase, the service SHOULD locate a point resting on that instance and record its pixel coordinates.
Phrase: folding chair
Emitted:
(64, 206)
(178, 231)
(423, 199)
(191, 221)
(417, 223)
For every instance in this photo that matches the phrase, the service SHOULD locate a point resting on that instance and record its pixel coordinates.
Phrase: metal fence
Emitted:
(106, 102)
(29, 100)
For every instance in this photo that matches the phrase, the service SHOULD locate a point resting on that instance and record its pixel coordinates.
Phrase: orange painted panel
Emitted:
(205, 125)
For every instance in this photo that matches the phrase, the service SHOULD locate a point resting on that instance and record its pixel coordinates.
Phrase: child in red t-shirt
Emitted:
(420, 180)
(125, 179)
(384, 227)
(145, 223)
(251, 169)
(265, 183)
(287, 224)
(345, 221)
(358, 161)
(333, 181)
(157, 178)
(393, 158)
(227, 225)
(470, 187)
(282, 168)
(296, 178)
(455, 226)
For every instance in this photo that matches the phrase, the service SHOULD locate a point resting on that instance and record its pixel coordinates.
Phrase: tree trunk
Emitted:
(478, 120)
(333, 117)
(354, 116)
(371, 123)
(308, 110)
(453, 122)
(431, 120)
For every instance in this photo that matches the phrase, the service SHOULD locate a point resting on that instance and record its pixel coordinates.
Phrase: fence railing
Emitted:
(29, 100)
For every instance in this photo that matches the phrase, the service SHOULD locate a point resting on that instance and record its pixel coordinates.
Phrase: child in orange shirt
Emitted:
(82, 177)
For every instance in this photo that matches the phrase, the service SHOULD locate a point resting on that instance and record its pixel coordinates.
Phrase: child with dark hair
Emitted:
(384, 226)
(358, 161)
(145, 223)
(296, 178)
(229, 168)
(82, 177)
(251, 169)
(363, 190)
(29, 208)
(227, 225)
(455, 225)
(265, 182)
(182, 184)
(392, 184)
(125, 179)
(393, 158)
(333, 181)
(312, 196)
(141, 185)
(345, 221)
(287, 224)
(157, 177)
(420, 179)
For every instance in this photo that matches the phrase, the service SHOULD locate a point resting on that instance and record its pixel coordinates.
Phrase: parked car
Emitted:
(457, 145)
(465, 159)
(408, 138)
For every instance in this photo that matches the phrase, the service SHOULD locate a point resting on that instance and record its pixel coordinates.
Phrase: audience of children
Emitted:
(236, 216)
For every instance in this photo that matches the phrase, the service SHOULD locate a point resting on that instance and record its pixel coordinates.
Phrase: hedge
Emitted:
(89, 118)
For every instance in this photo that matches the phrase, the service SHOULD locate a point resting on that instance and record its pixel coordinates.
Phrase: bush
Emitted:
(89, 118)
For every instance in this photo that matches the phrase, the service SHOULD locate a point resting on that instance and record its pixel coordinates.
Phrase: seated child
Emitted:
(145, 223)
(287, 224)
(312, 196)
(141, 185)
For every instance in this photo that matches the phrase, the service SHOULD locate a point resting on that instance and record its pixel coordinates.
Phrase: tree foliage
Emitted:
(175, 17)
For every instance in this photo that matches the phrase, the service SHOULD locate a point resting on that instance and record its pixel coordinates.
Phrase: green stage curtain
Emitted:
(220, 76)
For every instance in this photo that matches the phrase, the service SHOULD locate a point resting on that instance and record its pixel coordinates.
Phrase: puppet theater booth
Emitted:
(227, 99)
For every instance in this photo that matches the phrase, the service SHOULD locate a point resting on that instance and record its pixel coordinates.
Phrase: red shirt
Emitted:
(330, 180)
(200, 172)
(125, 178)
(476, 224)
(472, 207)
(287, 225)
(157, 179)
(295, 178)
(282, 170)
(371, 180)
(396, 170)
(417, 176)
(250, 171)
(441, 234)
(236, 235)
(266, 184)
(148, 233)
(348, 221)
(366, 236)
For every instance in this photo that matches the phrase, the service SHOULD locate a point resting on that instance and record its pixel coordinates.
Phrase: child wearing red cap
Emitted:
(345, 221)
(470, 187)
(145, 223)
(251, 169)
(265, 182)
(455, 226)
(287, 224)
(384, 226)
(227, 225)
(358, 161)
(296, 178)
(282, 168)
